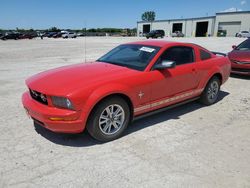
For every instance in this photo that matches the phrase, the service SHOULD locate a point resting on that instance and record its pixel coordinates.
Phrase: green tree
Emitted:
(54, 29)
(148, 16)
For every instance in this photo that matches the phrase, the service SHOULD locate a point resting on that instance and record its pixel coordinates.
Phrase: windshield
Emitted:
(131, 55)
(244, 45)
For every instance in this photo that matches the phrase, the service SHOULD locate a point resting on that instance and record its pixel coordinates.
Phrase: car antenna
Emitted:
(85, 42)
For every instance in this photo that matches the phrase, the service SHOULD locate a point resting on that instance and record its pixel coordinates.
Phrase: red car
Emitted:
(131, 80)
(240, 58)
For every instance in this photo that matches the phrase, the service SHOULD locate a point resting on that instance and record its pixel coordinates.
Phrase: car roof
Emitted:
(158, 43)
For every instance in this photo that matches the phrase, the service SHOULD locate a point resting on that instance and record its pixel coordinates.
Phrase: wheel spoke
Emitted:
(109, 129)
(104, 117)
(112, 109)
(119, 122)
(106, 127)
(115, 125)
(118, 111)
(103, 121)
(108, 111)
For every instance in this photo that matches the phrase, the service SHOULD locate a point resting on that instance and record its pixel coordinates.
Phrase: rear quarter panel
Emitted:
(208, 68)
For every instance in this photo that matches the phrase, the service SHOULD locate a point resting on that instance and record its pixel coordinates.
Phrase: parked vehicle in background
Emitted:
(69, 35)
(240, 58)
(57, 35)
(81, 34)
(177, 34)
(155, 34)
(50, 34)
(243, 34)
(222, 33)
(7, 36)
(129, 81)
(27, 36)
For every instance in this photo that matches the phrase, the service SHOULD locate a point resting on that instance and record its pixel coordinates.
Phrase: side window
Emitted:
(180, 55)
(204, 55)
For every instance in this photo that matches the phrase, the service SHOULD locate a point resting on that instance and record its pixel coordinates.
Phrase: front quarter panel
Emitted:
(130, 87)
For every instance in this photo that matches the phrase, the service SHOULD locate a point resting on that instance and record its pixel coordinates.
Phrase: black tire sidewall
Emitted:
(93, 122)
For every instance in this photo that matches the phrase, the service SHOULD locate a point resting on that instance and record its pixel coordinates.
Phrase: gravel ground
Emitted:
(189, 146)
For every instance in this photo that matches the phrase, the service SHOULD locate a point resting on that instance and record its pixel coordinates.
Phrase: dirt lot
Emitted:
(190, 146)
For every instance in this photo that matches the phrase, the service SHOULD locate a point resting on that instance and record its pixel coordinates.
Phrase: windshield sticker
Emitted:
(147, 49)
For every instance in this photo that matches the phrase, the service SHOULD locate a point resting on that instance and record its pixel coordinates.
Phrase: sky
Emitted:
(77, 14)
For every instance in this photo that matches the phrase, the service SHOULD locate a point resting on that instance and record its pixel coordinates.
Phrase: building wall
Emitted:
(189, 25)
(242, 17)
(161, 25)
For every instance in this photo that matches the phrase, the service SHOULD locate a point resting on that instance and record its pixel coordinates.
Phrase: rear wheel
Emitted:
(211, 92)
(109, 119)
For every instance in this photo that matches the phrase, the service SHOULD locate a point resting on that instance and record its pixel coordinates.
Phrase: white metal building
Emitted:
(229, 23)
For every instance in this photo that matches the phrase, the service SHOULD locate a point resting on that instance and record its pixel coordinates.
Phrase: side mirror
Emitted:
(234, 46)
(165, 65)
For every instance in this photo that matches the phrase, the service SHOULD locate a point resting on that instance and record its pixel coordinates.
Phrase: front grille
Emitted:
(39, 97)
(240, 70)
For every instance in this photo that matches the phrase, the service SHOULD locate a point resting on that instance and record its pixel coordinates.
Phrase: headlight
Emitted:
(62, 102)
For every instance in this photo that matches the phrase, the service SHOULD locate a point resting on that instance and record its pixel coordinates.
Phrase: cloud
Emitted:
(243, 2)
(232, 9)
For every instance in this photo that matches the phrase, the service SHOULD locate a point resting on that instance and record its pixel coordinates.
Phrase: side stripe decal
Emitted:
(165, 101)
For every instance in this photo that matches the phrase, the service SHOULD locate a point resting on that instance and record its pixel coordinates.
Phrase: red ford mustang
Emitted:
(240, 58)
(131, 80)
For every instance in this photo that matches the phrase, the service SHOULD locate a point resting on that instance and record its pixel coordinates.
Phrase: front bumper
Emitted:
(242, 69)
(74, 120)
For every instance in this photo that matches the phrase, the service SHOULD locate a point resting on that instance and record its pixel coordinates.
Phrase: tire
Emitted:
(147, 37)
(105, 126)
(211, 91)
(239, 35)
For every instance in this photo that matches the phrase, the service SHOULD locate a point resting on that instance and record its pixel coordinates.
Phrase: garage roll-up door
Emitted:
(231, 27)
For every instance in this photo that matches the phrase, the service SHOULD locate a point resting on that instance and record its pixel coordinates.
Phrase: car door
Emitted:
(175, 81)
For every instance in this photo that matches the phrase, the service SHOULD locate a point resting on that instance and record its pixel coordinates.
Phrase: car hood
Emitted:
(65, 80)
(239, 55)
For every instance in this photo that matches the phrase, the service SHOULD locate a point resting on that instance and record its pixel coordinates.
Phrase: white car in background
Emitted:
(243, 34)
(177, 34)
(69, 35)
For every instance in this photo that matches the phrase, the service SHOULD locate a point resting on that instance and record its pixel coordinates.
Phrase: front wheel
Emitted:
(109, 119)
(211, 92)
